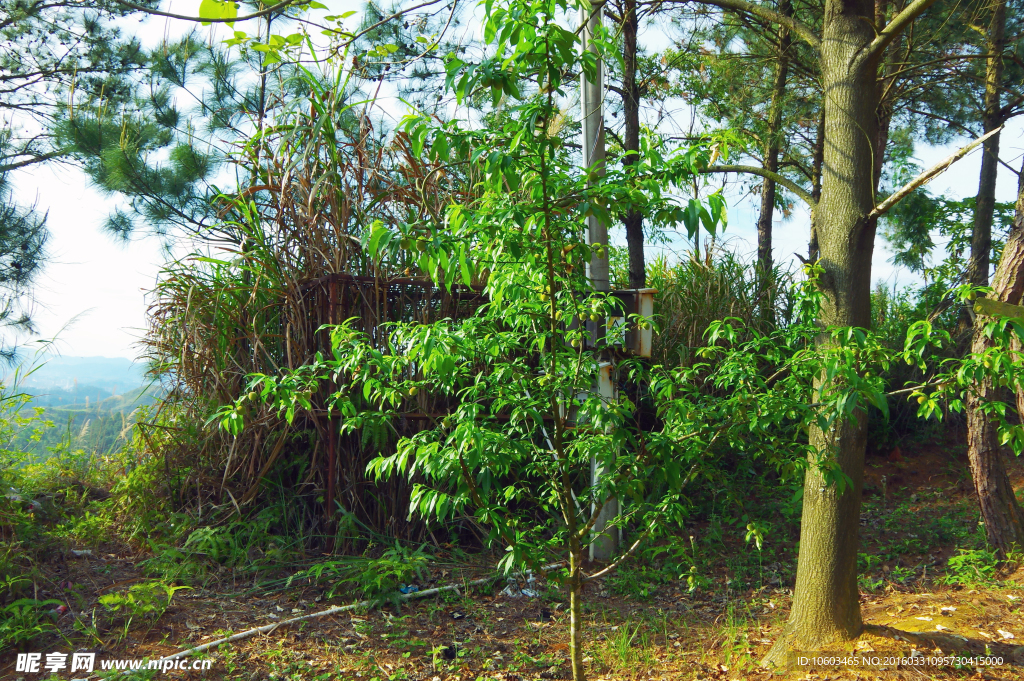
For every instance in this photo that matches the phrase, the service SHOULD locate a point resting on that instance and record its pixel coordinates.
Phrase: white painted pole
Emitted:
(592, 105)
(605, 542)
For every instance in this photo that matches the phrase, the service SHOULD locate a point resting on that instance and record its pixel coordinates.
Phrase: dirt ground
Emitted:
(918, 630)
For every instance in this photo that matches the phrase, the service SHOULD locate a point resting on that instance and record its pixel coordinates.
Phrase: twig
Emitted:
(266, 629)
(279, 7)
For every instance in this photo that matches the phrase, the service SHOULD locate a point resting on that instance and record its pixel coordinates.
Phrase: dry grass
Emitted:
(288, 259)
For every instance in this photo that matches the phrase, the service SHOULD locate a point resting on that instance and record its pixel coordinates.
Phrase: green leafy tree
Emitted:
(528, 422)
(517, 447)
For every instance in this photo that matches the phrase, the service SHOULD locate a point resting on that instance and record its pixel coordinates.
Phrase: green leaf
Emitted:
(467, 273)
(380, 236)
(216, 9)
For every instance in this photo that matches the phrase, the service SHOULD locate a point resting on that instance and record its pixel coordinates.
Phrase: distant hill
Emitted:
(90, 400)
(115, 375)
(85, 381)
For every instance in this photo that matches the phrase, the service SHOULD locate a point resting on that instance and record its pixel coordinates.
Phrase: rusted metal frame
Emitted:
(332, 431)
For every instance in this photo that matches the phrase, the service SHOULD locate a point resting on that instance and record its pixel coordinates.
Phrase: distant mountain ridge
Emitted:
(112, 374)
(108, 383)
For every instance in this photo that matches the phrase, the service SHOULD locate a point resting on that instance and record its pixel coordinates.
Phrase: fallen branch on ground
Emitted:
(266, 629)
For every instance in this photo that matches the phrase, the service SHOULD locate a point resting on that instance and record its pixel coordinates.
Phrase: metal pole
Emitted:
(605, 542)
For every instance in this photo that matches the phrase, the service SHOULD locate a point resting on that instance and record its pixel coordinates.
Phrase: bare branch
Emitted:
(927, 176)
(895, 27)
(769, 175)
(29, 161)
(799, 28)
(255, 15)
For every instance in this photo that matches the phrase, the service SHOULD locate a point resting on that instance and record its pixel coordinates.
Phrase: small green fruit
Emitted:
(593, 317)
(413, 390)
(921, 399)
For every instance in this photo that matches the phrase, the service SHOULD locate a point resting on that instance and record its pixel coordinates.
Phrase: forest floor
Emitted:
(641, 624)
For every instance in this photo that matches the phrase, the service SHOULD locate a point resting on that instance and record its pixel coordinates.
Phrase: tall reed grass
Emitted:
(287, 259)
(710, 284)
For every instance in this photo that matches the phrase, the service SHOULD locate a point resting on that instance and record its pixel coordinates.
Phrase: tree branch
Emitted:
(255, 15)
(29, 161)
(1005, 112)
(768, 175)
(927, 176)
(895, 27)
(799, 28)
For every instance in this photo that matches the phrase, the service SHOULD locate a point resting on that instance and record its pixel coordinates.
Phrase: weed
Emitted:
(971, 567)
(24, 619)
(735, 645)
(638, 582)
(170, 564)
(88, 528)
(870, 584)
(631, 647)
(147, 601)
(376, 579)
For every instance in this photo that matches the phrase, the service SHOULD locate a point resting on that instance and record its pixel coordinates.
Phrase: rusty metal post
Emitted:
(332, 433)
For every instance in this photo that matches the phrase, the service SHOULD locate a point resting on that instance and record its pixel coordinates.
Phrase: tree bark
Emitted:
(981, 237)
(634, 220)
(826, 605)
(771, 163)
(1004, 519)
(575, 609)
(813, 252)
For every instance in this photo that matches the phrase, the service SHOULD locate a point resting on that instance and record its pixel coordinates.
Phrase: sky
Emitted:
(92, 296)
(959, 181)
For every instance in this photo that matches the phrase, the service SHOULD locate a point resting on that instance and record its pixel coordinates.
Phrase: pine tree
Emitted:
(50, 53)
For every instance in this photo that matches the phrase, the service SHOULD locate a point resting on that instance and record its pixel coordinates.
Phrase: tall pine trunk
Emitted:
(634, 219)
(817, 162)
(981, 238)
(1004, 519)
(826, 605)
(771, 163)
